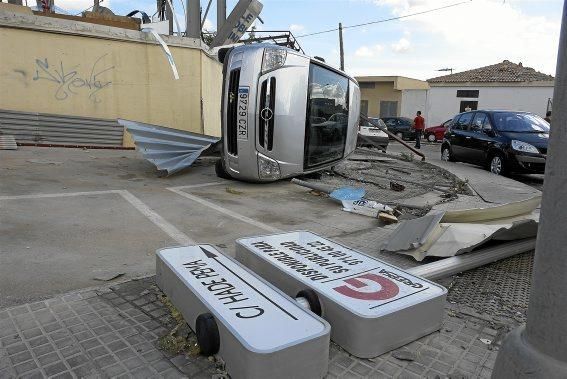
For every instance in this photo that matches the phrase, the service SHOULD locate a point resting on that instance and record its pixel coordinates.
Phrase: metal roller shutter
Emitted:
(48, 129)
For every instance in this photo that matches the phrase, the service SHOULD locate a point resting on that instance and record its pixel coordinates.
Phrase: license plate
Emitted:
(242, 118)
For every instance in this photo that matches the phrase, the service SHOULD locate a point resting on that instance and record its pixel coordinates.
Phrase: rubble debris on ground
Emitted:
(8, 142)
(352, 200)
(394, 186)
(170, 150)
(445, 234)
(373, 171)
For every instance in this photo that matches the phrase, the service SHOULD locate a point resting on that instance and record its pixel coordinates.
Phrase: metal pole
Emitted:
(169, 17)
(221, 13)
(395, 137)
(206, 13)
(342, 52)
(193, 19)
(539, 349)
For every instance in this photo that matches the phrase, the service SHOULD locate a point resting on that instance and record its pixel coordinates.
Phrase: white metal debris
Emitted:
(166, 50)
(170, 150)
(445, 234)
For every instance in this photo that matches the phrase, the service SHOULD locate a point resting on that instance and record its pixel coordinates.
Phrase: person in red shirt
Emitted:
(418, 125)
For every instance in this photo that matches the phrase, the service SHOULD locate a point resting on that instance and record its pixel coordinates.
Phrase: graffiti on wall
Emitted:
(73, 81)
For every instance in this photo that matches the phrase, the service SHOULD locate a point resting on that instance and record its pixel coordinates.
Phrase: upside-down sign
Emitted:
(354, 280)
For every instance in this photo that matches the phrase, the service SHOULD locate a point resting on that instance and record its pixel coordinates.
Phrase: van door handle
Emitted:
(468, 137)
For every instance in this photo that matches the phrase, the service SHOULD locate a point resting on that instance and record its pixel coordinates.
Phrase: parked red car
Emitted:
(436, 133)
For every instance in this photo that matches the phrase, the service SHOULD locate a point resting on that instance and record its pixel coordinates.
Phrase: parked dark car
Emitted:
(502, 141)
(436, 133)
(400, 126)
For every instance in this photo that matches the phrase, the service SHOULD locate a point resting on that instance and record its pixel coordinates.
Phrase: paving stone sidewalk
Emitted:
(114, 332)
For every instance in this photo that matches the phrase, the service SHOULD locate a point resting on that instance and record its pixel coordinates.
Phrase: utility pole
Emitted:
(193, 19)
(342, 52)
(221, 13)
(169, 17)
(539, 349)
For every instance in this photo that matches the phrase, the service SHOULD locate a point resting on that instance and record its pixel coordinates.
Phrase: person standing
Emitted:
(418, 125)
(548, 117)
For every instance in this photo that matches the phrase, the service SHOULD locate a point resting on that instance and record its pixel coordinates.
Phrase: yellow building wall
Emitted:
(95, 77)
(383, 91)
(211, 84)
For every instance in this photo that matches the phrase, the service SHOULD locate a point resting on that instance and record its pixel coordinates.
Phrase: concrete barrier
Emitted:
(257, 330)
(373, 307)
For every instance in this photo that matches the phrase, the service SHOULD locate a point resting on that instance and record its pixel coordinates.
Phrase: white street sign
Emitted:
(347, 281)
(258, 316)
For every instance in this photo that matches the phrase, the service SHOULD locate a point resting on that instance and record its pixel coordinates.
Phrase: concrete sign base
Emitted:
(372, 307)
(256, 329)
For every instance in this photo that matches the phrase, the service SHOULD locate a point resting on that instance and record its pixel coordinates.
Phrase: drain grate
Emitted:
(498, 289)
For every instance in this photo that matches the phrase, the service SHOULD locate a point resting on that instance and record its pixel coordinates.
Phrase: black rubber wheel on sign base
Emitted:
(313, 300)
(207, 333)
(220, 170)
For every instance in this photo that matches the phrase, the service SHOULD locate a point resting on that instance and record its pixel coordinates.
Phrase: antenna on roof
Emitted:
(446, 69)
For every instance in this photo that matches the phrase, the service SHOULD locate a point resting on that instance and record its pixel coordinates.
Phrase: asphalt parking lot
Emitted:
(71, 217)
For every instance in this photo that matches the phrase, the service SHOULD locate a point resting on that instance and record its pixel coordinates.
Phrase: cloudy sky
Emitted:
(469, 35)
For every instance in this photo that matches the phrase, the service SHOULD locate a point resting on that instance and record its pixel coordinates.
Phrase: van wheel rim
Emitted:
(445, 154)
(431, 138)
(496, 165)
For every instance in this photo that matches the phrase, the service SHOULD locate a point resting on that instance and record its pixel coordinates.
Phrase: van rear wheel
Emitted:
(497, 164)
(431, 138)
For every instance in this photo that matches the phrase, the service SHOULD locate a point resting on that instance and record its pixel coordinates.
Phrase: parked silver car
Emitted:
(284, 114)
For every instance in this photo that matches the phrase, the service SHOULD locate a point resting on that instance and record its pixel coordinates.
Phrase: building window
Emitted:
(467, 106)
(367, 84)
(388, 109)
(364, 107)
(467, 93)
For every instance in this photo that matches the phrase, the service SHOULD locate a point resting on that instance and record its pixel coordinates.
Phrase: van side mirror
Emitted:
(488, 130)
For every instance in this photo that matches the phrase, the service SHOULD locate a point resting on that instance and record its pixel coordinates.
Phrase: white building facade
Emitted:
(506, 86)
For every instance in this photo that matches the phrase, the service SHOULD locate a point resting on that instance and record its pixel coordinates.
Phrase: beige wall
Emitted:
(383, 91)
(42, 71)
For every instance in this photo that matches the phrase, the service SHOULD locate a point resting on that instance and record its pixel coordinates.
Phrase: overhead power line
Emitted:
(385, 20)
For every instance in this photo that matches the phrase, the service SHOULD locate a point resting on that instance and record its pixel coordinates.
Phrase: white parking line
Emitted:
(199, 185)
(226, 211)
(148, 212)
(159, 221)
(51, 195)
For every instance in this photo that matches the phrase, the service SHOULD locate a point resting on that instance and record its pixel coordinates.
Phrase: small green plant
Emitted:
(407, 157)
(461, 186)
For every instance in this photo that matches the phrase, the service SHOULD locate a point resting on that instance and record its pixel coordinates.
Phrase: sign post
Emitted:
(372, 307)
(256, 329)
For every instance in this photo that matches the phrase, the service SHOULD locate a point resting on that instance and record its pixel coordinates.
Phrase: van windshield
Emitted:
(327, 116)
(520, 122)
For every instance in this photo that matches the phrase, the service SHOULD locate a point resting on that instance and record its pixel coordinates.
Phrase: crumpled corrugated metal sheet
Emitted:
(170, 150)
(445, 234)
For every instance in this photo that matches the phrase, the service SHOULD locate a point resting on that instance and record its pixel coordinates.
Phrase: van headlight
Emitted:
(268, 168)
(524, 147)
(273, 58)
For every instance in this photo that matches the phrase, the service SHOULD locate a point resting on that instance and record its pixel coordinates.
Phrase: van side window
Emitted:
(487, 125)
(463, 122)
(478, 122)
